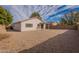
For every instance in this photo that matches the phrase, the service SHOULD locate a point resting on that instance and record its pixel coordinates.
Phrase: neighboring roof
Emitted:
(27, 20)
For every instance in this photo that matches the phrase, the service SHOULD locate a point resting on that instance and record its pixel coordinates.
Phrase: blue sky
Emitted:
(49, 13)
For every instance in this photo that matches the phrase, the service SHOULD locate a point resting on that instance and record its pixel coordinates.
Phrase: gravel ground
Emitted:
(41, 41)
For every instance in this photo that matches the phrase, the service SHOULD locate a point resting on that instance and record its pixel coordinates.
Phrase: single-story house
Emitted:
(29, 24)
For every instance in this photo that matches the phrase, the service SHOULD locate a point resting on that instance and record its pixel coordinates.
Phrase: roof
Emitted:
(27, 20)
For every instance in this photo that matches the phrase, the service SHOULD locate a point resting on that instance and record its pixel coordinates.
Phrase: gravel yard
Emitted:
(41, 41)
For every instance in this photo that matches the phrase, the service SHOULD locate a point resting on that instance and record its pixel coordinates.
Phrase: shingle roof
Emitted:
(26, 20)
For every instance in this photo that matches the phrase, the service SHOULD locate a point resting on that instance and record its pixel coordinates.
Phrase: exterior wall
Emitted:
(77, 27)
(17, 26)
(33, 21)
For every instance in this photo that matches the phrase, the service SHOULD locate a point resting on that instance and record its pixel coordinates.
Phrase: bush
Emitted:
(5, 17)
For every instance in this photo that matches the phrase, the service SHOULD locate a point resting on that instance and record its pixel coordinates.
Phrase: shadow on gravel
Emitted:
(63, 43)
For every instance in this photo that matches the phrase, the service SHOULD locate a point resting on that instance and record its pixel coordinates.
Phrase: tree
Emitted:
(36, 14)
(5, 17)
(71, 18)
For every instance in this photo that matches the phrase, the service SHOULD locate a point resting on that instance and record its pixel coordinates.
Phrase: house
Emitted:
(29, 24)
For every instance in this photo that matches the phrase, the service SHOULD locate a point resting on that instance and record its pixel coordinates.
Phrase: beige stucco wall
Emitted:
(33, 21)
(21, 26)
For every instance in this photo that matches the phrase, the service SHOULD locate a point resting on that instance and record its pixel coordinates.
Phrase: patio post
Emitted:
(44, 26)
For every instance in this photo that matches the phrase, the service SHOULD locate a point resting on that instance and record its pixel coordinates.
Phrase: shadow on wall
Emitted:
(67, 42)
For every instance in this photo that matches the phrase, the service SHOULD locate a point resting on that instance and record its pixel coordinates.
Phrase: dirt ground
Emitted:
(41, 41)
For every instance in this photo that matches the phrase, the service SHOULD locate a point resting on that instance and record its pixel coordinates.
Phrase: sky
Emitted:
(49, 13)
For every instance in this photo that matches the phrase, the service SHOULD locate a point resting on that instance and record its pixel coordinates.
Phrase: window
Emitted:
(29, 25)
